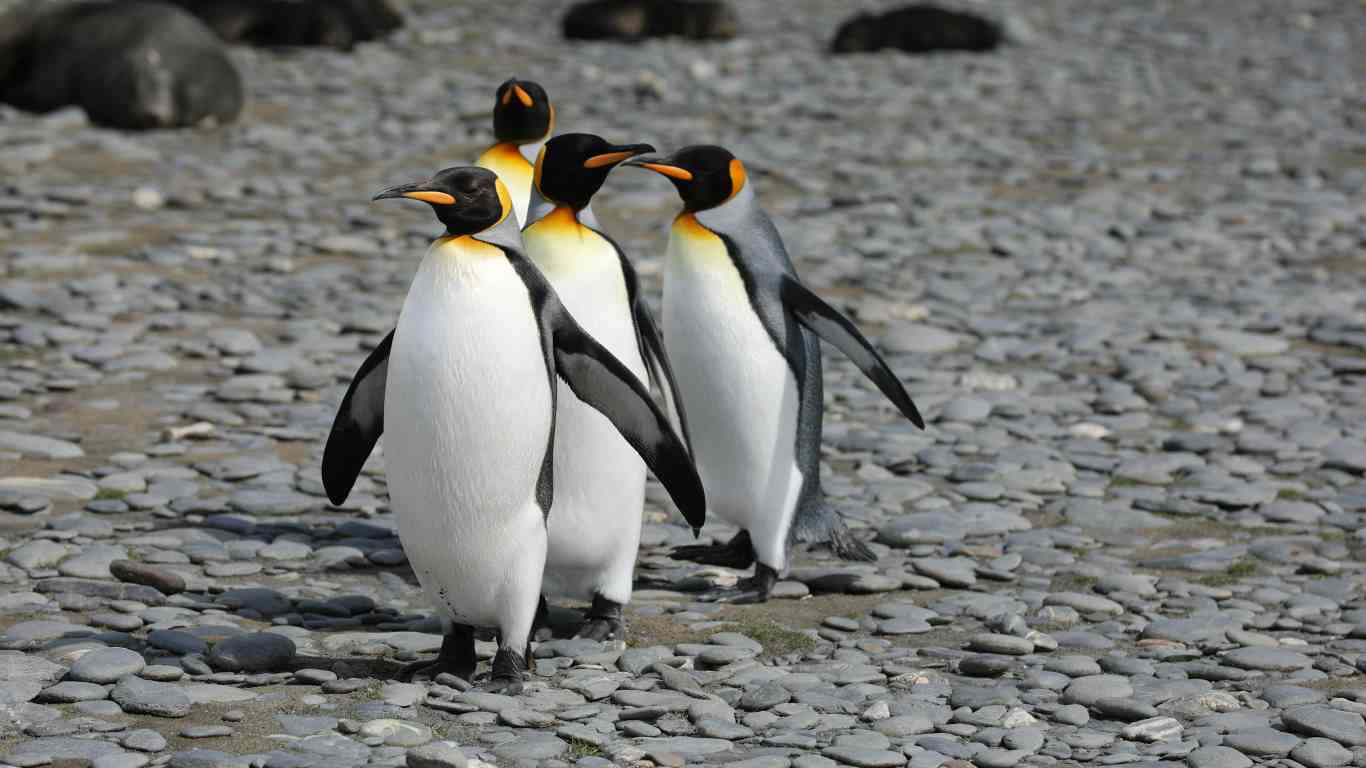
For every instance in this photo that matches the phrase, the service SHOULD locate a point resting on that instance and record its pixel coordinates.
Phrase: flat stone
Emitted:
(160, 579)
(1321, 753)
(865, 758)
(145, 697)
(1217, 757)
(107, 665)
(1262, 742)
(255, 652)
(438, 754)
(39, 446)
(1319, 720)
(1087, 690)
(1266, 659)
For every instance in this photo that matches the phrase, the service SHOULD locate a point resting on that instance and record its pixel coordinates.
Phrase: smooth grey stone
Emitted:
(437, 754)
(1318, 720)
(1003, 644)
(1266, 659)
(1072, 714)
(39, 446)
(1285, 696)
(865, 758)
(207, 758)
(145, 697)
(177, 642)
(121, 760)
(205, 731)
(107, 665)
(1126, 709)
(765, 696)
(1321, 753)
(1262, 742)
(255, 652)
(533, 746)
(144, 740)
(57, 748)
(1088, 690)
(1217, 757)
(70, 692)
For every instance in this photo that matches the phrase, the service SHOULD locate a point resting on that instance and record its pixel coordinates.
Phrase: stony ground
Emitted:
(1121, 265)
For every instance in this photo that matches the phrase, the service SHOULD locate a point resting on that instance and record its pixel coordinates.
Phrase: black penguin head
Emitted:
(572, 166)
(522, 113)
(706, 175)
(467, 200)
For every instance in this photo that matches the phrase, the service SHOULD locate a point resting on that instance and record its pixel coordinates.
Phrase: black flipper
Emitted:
(827, 322)
(358, 425)
(651, 345)
(603, 382)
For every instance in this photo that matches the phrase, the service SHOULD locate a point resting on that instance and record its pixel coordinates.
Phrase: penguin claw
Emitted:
(509, 671)
(602, 630)
(754, 589)
(508, 686)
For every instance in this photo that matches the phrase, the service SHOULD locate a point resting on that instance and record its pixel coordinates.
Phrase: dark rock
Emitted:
(256, 652)
(632, 20)
(160, 579)
(917, 29)
(333, 23)
(133, 65)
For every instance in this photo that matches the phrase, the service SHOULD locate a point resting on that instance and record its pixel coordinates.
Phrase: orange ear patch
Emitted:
(431, 196)
(738, 178)
(522, 96)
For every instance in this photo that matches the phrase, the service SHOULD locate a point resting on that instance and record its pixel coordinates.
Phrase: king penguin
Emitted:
(599, 481)
(523, 118)
(465, 388)
(744, 335)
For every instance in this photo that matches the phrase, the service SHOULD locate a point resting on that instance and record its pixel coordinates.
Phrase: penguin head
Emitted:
(706, 175)
(467, 200)
(522, 113)
(572, 166)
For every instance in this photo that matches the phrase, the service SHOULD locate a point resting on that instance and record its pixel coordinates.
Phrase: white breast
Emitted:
(594, 525)
(467, 420)
(740, 395)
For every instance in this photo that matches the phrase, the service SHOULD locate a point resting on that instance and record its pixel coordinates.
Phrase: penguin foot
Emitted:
(738, 553)
(603, 622)
(456, 657)
(846, 546)
(754, 589)
(509, 672)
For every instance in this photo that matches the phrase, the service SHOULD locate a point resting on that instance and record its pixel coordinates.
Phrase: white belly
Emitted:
(739, 393)
(467, 420)
(594, 525)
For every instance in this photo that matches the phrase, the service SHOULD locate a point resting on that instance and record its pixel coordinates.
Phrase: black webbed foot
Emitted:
(754, 589)
(509, 672)
(603, 622)
(456, 657)
(738, 553)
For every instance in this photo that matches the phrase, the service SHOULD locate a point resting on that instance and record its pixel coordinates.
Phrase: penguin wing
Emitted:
(605, 383)
(358, 425)
(827, 322)
(651, 345)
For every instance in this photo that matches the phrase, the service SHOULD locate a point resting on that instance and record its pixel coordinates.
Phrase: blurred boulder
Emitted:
(631, 20)
(917, 29)
(333, 23)
(134, 65)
